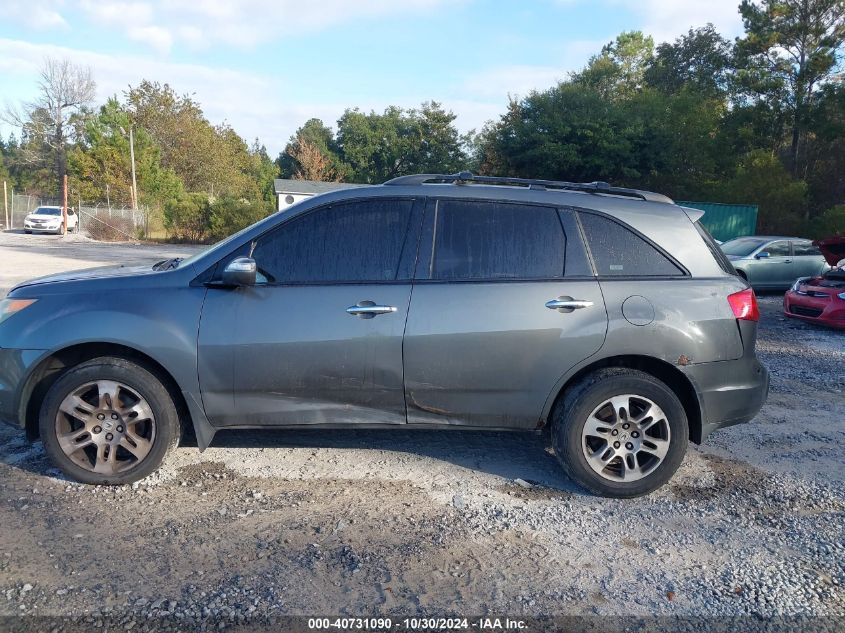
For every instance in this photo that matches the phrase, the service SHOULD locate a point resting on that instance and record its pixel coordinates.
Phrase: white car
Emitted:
(49, 220)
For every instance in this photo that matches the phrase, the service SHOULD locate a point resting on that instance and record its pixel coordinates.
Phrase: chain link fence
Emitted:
(98, 220)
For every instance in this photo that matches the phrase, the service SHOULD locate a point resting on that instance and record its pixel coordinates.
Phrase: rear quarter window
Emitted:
(619, 252)
(717, 253)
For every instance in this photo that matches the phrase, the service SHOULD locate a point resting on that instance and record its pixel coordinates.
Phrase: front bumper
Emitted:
(829, 311)
(729, 392)
(15, 366)
(40, 228)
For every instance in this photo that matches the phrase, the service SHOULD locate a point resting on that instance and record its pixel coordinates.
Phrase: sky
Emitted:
(267, 66)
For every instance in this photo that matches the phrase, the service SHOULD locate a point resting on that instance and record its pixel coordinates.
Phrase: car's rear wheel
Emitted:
(620, 432)
(108, 421)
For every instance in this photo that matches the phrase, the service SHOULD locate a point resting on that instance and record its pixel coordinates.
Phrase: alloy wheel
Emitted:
(105, 427)
(625, 438)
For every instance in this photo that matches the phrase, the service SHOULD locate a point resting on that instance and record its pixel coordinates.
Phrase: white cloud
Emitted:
(160, 39)
(119, 12)
(515, 80)
(518, 80)
(255, 105)
(249, 102)
(36, 14)
(244, 24)
(665, 20)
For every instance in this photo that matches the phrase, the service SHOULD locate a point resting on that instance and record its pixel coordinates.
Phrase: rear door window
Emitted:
(619, 252)
(806, 249)
(496, 240)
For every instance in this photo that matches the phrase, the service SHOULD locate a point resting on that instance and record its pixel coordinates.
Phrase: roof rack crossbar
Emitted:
(466, 177)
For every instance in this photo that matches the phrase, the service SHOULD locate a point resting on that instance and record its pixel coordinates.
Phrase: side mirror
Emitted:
(762, 255)
(240, 272)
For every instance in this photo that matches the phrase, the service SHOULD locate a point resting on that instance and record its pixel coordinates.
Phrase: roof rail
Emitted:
(465, 178)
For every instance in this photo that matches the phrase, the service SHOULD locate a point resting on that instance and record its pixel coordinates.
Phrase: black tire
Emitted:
(579, 402)
(140, 379)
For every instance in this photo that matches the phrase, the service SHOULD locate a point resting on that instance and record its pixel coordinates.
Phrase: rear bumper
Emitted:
(729, 392)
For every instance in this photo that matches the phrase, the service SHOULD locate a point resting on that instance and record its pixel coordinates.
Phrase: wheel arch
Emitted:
(660, 369)
(52, 366)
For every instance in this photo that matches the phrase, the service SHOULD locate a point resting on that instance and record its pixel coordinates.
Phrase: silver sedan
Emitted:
(774, 262)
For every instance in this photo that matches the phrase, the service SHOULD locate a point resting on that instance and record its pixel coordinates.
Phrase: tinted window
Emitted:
(352, 241)
(806, 249)
(494, 240)
(618, 251)
(777, 249)
(577, 262)
(715, 251)
(47, 211)
(742, 246)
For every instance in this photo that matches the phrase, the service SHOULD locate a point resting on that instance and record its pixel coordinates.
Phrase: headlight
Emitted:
(8, 307)
(797, 283)
(841, 295)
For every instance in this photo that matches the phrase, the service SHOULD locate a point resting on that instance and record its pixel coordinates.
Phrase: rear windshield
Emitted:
(718, 253)
(742, 246)
(48, 211)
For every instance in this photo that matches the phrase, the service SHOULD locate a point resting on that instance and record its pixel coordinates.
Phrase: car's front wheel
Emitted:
(108, 421)
(620, 432)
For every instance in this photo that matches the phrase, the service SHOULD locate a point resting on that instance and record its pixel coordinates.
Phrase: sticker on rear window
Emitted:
(616, 267)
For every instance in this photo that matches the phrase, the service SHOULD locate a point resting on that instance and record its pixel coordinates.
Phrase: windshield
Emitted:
(47, 211)
(741, 246)
(218, 246)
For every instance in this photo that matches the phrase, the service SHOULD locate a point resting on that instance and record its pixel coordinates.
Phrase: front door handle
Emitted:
(369, 309)
(787, 261)
(567, 304)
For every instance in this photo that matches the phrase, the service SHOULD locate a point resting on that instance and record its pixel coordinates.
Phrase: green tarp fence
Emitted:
(726, 221)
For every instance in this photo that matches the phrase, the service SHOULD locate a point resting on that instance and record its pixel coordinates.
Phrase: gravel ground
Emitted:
(434, 523)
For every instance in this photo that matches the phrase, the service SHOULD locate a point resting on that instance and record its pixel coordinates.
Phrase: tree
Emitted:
(700, 61)
(789, 49)
(312, 163)
(321, 138)
(377, 147)
(569, 132)
(825, 149)
(188, 217)
(99, 165)
(212, 159)
(56, 116)
(619, 70)
(763, 180)
(228, 215)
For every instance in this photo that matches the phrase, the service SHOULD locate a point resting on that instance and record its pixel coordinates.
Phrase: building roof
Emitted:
(312, 187)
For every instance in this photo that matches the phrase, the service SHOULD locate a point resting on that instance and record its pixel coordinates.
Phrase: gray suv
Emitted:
(607, 315)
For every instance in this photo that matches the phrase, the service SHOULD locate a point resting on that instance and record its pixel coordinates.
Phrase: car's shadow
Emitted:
(508, 455)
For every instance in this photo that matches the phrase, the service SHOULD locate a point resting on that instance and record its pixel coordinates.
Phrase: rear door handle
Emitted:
(567, 304)
(369, 309)
(787, 261)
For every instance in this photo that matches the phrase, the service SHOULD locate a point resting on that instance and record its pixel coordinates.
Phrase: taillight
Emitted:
(744, 305)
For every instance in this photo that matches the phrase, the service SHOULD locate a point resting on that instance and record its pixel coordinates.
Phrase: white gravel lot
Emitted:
(417, 522)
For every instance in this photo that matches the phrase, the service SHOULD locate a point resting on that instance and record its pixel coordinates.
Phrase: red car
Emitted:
(821, 299)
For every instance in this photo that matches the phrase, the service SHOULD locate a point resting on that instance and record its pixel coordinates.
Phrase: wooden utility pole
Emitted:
(6, 205)
(132, 158)
(64, 205)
